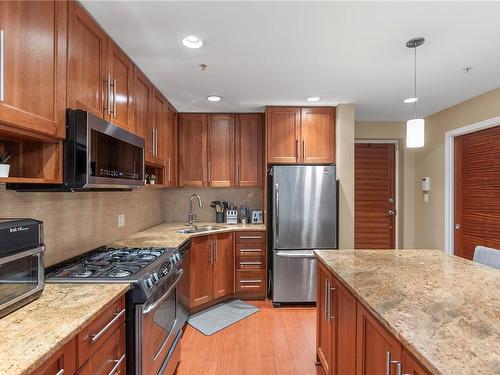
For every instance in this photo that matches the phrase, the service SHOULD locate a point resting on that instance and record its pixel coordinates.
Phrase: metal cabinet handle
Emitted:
(238, 173)
(250, 263)
(389, 362)
(2, 81)
(250, 250)
(60, 372)
(156, 142)
(114, 98)
(325, 299)
(169, 170)
(216, 250)
(303, 150)
(94, 337)
(210, 252)
(108, 99)
(118, 362)
(209, 171)
(297, 149)
(250, 237)
(277, 215)
(250, 281)
(332, 289)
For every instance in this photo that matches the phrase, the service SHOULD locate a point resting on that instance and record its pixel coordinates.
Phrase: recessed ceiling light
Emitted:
(313, 99)
(192, 41)
(214, 98)
(410, 100)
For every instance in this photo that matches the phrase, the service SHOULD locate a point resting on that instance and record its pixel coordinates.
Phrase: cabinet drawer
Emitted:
(251, 263)
(250, 237)
(250, 250)
(109, 358)
(97, 332)
(62, 362)
(253, 282)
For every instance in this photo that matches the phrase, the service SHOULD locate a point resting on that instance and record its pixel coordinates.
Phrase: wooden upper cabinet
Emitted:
(158, 127)
(318, 135)
(223, 263)
(248, 150)
(121, 78)
(34, 71)
(283, 134)
(142, 117)
(220, 136)
(88, 84)
(170, 139)
(192, 149)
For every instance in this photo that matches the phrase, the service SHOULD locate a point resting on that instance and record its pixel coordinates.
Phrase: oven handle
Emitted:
(155, 304)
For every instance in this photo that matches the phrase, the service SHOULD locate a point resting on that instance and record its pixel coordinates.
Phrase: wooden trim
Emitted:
(457, 194)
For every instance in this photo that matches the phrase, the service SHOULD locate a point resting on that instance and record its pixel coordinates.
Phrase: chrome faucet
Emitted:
(191, 215)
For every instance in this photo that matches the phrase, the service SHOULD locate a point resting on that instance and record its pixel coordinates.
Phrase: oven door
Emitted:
(21, 279)
(157, 325)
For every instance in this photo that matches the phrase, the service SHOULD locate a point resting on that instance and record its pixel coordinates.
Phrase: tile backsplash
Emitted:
(78, 222)
(174, 202)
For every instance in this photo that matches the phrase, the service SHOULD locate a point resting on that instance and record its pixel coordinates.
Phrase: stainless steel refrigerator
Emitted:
(304, 218)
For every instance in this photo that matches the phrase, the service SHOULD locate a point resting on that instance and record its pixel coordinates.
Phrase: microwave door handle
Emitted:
(158, 302)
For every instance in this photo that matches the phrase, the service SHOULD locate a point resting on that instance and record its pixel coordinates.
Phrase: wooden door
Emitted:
(411, 366)
(346, 305)
(477, 191)
(374, 196)
(283, 134)
(34, 58)
(192, 150)
(142, 112)
(223, 254)
(318, 135)
(220, 137)
(170, 140)
(248, 150)
(373, 343)
(89, 85)
(200, 271)
(158, 124)
(324, 333)
(121, 69)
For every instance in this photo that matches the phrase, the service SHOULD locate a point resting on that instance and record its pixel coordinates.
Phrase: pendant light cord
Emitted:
(415, 81)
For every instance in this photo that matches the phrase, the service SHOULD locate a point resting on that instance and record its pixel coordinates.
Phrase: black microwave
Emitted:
(97, 155)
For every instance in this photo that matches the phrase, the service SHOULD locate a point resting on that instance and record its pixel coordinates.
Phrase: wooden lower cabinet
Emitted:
(98, 349)
(223, 263)
(350, 340)
(251, 264)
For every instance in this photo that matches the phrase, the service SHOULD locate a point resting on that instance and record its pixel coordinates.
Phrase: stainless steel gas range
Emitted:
(155, 310)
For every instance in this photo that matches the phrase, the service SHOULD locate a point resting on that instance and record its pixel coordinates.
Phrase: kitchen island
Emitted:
(416, 308)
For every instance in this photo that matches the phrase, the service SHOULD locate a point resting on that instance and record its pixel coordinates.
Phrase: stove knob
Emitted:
(149, 282)
(178, 257)
(155, 278)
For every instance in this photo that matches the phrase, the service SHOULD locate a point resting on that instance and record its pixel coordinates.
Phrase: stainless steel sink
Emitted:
(203, 228)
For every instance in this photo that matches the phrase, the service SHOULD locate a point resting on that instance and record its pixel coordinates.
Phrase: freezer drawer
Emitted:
(294, 276)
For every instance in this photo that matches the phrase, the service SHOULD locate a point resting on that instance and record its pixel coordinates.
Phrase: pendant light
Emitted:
(415, 128)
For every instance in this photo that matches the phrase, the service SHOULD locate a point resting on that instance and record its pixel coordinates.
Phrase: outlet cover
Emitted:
(121, 220)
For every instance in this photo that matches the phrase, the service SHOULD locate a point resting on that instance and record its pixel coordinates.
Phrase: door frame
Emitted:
(395, 142)
(449, 178)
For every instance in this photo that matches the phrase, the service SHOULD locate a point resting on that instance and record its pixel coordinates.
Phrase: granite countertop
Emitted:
(165, 235)
(30, 335)
(444, 309)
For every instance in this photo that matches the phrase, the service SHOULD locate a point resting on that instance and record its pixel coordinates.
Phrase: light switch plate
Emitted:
(121, 220)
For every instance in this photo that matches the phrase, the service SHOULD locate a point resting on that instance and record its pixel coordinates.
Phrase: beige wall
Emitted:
(395, 131)
(345, 172)
(174, 203)
(78, 222)
(429, 161)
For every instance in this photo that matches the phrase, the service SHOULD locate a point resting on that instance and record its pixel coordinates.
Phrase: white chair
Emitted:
(487, 256)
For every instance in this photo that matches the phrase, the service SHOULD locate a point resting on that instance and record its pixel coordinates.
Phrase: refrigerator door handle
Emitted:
(277, 215)
(295, 254)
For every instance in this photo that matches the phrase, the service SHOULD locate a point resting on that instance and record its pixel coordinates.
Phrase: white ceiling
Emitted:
(277, 53)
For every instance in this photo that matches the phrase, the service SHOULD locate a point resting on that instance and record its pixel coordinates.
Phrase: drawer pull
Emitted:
(250, 250)
(250, 237)
(250, 286)
(60, 372)
(250, 263)
(94, 337)
(118, 362)
(250, 281)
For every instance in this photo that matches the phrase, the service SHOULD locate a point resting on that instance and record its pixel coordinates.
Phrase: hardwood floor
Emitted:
(273, 341)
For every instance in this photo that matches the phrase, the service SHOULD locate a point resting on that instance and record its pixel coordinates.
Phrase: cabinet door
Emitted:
(283, 135)
(220, 150)
(121, 70)
(192, 150)
(346, 330)
(142, 116)
(373, 344)
(34, 71)
(170, 140)
(61, 362)
(223, 259)
(318, 135)
(89, 86)
(323, 319)
(411, 366)
(248, 150)
(200, 271)
(158, 124)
